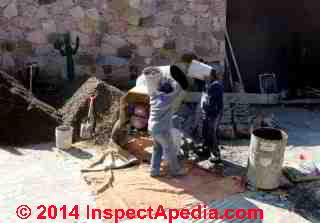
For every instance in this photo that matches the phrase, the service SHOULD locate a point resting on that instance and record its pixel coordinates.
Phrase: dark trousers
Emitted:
(211, 134)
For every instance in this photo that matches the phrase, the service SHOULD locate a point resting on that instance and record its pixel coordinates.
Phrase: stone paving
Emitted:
(39, 175)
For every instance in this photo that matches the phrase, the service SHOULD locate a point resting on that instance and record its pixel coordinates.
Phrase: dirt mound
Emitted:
(23, 118)
(106, 108)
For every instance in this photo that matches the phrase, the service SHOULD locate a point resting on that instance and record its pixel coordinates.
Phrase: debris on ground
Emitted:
(112, 157)
(106, 109)
(297, 176)
(140, 147)
(24, 119)
(306, 197)
(131, 186)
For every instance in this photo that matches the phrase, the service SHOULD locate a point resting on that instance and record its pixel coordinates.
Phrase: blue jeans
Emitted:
(163, 143)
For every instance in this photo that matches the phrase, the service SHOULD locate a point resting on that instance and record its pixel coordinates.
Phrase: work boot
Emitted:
(203, 152)
(215, 160)
(178, 173)
(215, 157)
(155, 173)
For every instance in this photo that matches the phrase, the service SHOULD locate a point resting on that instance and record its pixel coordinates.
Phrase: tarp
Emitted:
(134, 188)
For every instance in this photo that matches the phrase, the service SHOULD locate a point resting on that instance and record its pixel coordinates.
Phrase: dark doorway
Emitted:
(280, 37)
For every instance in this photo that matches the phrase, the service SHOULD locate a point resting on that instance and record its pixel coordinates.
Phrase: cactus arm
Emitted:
(77, 46)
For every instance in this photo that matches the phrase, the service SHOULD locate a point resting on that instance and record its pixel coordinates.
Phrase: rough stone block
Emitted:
(204, 25)
(93, 14)
(24, 47)
(147, 21)
(156, 32)
(103, 26)
(243, 129)
(10, 11)
(169, 45)
(135, 3)
(67, 3)
(112, 60)
(219, 35)
(158, 43)
(227, 131)
(38, 37)
(136, 40)
(77, 12)
(88, 25)
(125, 51)
(145, 51)
(164, 18)
(188, 20)
(107, 69)
(4, 3)
(46, 2)
(8, 46)
(119, 5)
(199, 8)
(85, 59)
(107, 49)
(49, 27)
(42, 13)
(184, 44)
(114, 41)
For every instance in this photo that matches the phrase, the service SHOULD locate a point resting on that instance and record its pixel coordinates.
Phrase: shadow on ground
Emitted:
(12, 150)
(78, 153)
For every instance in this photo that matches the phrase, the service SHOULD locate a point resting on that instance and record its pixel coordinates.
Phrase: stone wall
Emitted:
(117, 37)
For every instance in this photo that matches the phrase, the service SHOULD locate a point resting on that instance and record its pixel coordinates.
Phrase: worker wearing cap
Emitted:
(212, 110)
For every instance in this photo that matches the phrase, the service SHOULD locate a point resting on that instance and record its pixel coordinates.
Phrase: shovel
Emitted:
(86, 129)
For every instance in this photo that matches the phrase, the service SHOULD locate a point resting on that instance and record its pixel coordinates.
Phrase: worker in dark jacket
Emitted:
(212, 109)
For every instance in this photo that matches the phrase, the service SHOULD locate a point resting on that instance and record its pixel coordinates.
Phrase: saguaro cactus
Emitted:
(66, 49)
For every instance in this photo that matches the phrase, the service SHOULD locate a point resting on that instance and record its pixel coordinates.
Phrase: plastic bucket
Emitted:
(199, 70)
(64, 137)
(266, 157)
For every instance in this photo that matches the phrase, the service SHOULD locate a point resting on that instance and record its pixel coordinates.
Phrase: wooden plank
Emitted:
(244, 98)
(302, 101)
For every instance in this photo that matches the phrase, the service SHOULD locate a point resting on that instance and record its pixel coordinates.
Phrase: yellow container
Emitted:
(136, 95)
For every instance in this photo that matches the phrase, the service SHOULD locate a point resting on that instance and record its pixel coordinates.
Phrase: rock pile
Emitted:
(235, 122)
(241, 117)
(227, 125)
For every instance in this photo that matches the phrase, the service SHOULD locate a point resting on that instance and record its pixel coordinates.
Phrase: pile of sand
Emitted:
(106, 108)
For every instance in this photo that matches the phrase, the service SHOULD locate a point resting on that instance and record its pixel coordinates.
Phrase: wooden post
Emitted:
(234, 60)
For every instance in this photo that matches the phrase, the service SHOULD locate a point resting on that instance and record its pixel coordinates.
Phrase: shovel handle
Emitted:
(90, 106)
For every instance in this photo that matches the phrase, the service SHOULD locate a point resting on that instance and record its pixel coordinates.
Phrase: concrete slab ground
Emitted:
(38, 175)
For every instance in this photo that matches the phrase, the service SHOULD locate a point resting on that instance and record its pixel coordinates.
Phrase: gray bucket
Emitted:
(266, 156)
(64, 136)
